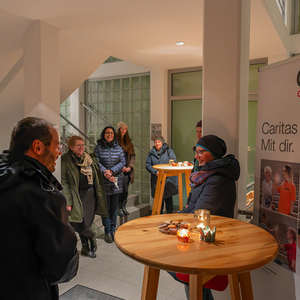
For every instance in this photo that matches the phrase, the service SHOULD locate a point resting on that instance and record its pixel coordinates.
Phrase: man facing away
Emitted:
(38, 248)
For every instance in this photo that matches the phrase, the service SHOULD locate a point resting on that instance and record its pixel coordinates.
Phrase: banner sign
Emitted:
(277, 164)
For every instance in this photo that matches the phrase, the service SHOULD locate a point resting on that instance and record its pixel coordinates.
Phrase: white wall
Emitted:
(11, 103)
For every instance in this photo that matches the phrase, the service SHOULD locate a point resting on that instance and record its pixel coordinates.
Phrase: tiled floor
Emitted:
(114, 273)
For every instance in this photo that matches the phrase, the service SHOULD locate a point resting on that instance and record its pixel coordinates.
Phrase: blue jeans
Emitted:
(112, 205)
(207, 294)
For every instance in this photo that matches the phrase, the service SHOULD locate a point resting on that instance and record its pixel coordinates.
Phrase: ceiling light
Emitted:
(179, 43)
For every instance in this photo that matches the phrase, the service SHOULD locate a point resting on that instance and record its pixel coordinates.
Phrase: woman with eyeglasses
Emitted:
(287, 191)
(111, 159)
(161, 153)
(84, 190)
(213, 186)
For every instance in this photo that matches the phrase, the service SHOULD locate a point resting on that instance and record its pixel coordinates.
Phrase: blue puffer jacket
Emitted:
(218, 192)
(157, 158)
(111, 158)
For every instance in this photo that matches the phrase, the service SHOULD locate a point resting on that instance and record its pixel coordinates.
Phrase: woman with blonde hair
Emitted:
(128, 171)
(84, 190)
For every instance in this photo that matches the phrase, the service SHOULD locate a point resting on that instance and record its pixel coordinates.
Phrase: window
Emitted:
(124, 99)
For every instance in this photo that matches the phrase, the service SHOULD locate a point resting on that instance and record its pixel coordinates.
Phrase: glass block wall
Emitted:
(124, 99)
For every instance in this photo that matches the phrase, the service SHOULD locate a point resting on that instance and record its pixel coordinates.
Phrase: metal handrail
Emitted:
(95, 112)
(75, 127)
(250, 185)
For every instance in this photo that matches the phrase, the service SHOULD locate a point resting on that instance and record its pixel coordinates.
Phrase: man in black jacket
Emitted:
(38, 248)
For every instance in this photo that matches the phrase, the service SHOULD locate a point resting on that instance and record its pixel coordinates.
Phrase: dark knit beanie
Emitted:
(212, 143)
(199, 124)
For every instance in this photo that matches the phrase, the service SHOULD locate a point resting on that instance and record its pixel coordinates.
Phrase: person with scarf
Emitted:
(85, 193)
(111, 159)
(128, 171)
(161, 153)
(213, 186)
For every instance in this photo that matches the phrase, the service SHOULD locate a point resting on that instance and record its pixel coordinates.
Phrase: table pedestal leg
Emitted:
(150, 283)
(234, 286)
(246, 286)
(180, 198)
(187, 182)
(240, 284)
(196, 287)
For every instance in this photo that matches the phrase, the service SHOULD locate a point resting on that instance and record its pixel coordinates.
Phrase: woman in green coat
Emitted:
(84, 190)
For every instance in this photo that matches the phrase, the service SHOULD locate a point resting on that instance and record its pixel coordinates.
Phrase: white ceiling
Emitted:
(138, 31)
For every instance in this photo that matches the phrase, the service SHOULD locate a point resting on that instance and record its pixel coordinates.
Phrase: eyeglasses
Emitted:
(109, 133)
(200, 152)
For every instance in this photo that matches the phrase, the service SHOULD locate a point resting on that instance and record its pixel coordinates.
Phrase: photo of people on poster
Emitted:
(279, 208)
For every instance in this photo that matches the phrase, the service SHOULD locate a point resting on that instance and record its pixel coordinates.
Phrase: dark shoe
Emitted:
(86, 251)
(113, 236)
(108, 238)
(93, 242)
(124, 208)
(120, 211)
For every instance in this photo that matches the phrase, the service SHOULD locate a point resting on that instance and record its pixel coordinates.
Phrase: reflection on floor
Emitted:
(114, 273)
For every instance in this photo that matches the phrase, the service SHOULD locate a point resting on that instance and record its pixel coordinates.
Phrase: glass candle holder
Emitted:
(201, 219)
(183, 235)
(171, 161)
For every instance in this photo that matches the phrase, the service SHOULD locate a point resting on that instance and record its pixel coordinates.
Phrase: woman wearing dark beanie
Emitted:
(213, 186)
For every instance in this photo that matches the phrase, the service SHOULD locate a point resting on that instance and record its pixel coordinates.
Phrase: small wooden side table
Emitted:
(239, 248)
(168, 171)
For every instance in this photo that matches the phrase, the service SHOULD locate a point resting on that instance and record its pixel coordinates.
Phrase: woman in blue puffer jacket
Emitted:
(160, 154)
(111, 159)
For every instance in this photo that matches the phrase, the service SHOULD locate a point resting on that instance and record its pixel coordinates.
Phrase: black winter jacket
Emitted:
(38, 248)
(218, 192)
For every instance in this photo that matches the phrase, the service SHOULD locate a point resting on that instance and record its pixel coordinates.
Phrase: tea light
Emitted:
(185, 163)
(171, 161)
(201, 219)
(207, 234)
(183, 235)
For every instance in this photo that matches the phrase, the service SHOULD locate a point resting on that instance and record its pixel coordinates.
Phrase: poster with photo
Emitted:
(277, 162)
(279, 207)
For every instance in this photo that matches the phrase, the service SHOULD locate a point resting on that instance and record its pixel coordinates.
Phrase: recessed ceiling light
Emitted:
(179, 43)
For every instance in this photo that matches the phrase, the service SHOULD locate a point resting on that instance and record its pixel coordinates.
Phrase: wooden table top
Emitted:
(238, 247)
(167, 167)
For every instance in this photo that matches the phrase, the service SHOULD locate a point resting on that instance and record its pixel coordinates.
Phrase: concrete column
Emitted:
(158, 104)
(225, 78)
(158, 100)
(41, 72)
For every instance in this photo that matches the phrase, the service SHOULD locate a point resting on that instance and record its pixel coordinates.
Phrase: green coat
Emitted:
(70, 183)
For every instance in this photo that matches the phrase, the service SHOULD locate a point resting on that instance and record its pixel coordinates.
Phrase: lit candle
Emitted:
(183, 235)
(201, 219)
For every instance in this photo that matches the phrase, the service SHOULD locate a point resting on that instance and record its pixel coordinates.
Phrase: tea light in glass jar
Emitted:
(171, 161)
(201, 219)
(183, 235)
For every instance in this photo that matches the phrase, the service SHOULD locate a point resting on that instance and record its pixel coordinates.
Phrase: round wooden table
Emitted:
(239, 247)
(167, 171)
